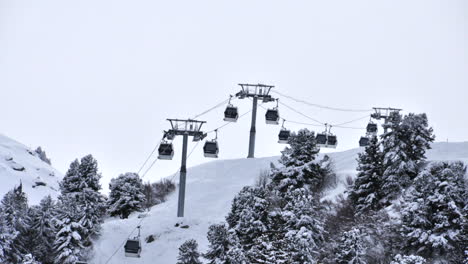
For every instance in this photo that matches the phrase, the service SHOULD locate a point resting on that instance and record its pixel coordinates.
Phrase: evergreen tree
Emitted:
(302, 149)
(411, 259)
(221, 247)
(15, 210)
(29, 259)
(7, 237)
(68, 242)
(404, 148)
(365, 193)
(188, 253)
(43, 223)
(126, 195)
(88, 170)
(433, 214)
(350, 249)
(304, 227)
(71, 182)
(42, 155)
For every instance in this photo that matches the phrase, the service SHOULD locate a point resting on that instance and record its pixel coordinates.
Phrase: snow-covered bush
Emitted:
(411, 259)
(42, 155)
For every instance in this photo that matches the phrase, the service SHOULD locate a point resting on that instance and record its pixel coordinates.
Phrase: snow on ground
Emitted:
(19, 164)
(210, 190)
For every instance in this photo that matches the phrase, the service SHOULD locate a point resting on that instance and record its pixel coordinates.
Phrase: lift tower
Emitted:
(185, 128)
(255, 91)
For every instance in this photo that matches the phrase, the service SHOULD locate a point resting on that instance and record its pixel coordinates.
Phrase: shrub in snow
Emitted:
(404, 148)
(433, 215)
(365, 192)
(156, 193)
(188, 253)
(126, 195)
(411, 259)
(42, 155)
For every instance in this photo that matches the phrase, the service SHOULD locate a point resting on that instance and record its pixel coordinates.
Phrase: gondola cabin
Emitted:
(321, 140)
(210, 149)
(272, 116)
(133, 248)
(231, 114)
(283, 136)
(372, 128)
(364, 141)
(165, 151)
(332, 141)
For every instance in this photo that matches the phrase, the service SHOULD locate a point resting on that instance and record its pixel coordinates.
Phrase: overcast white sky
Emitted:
(101, 77)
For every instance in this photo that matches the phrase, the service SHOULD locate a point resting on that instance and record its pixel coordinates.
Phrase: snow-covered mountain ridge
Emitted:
(210, 190)
(19, 163)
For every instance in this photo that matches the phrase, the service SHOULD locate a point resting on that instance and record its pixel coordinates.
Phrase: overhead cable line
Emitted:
(211, 109)
(323, 106)
(149, 156)
(302, 114)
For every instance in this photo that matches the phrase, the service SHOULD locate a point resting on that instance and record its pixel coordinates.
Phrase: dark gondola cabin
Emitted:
(165, 151)
(272, 116)
(133, 248)
(372, 128)
(231, 114)
(364, 141)
(321, 140)
(332, 141)
(283, 136)
(210, 149)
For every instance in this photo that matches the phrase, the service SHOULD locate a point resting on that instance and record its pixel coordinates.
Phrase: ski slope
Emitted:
(19, 163)
(210, 190)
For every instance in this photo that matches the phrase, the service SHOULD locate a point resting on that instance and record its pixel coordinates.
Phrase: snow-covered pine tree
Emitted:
(43, 223)
(7, 237)
(81, 182)
(303, 227)
(299, 163)
(30, 259)
(433, 214)
(15, 210)
(247, 215)
(224, 247)
(188, 253)
(404, 148)
(68, 241)
(350, 249)
(365, 193)
(411, 259)
(126, 195)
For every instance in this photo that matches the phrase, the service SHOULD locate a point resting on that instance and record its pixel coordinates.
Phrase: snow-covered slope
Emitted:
(210, 190)
(18, 164)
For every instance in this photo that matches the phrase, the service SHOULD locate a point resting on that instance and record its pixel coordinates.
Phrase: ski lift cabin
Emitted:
(372, 128)
(283, 136)
(165, 151)
(332, 141)
(364, 141)
(272, 116)
(211, 149)
(231, 114)
(133, 248)
(321, 140)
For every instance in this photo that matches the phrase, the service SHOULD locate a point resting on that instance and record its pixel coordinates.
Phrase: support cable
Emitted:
(323, 106)
(212, 108)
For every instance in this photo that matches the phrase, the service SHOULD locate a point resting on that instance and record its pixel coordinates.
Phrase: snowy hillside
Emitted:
(210, 190)
(20, 163)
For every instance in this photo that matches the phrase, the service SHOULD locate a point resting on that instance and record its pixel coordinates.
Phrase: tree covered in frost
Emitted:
(365, 193)
(15, 212)
(188, 253)
(404, 148)
(300, 168)
(43, 224)
(7, 237)
(30, 259)
(80, 188)
(411, 259)
(126, 195)
(42, 155)
(433, 213)
(68, 241)
(351, 248)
